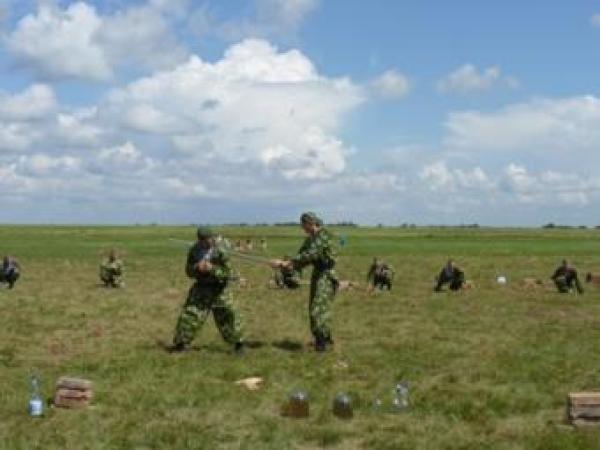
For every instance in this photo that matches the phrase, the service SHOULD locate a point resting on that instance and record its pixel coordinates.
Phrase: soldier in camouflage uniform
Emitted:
(9, 271)
(111, 270)
(452, 274)
(286, 276)
(565, 278)
(380, 275)
(318, 251)
(208, 264)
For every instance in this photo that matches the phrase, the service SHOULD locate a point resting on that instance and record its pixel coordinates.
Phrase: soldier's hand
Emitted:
(286, 264)
(204, 266)
(275, 263)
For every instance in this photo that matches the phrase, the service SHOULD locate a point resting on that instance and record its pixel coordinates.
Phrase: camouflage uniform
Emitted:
(380, 275)
(208, 293)
(111, 272)
(9, 271)
(450, 274)
(288, 277)
(319, 251)
(565, 277)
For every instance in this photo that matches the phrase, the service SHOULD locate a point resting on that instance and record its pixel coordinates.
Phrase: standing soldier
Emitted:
(565, 276)
(380, 275)
(10, 271)
(452, 274)
(318, 251)
(208, 265)
(111, 270)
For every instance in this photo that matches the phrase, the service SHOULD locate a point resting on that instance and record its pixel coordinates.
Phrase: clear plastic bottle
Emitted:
(400, 398)
(36, 404)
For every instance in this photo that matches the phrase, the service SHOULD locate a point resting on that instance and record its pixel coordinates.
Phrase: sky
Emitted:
(390, 111)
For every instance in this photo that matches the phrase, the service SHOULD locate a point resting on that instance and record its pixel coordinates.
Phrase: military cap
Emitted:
(310, 217)
(204, 232)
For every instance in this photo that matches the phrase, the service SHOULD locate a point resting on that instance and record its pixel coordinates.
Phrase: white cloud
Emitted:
(255, 105)
(468, 78)
(78, 43)
(268, 18)
(595, 20)
(558, 133)
(391, 84)
(33, 103)
(61, 43)
(438, 177)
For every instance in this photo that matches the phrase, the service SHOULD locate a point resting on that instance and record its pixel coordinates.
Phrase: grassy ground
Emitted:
(488, 368)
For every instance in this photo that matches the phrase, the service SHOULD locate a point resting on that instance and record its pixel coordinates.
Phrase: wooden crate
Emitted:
(583, 408)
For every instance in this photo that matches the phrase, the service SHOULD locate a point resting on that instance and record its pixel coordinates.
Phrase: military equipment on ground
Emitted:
(296, 405)
(342, 406)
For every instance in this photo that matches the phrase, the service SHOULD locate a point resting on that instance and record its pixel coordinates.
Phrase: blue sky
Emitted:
(251, 111)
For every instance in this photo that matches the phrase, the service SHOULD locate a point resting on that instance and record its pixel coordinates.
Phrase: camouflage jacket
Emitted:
(115, 266)
(220, 273)
(318, 251)
(382, 270)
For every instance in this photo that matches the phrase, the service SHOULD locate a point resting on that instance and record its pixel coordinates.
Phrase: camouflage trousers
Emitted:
(200, 302)
(111, 277)
(322, 293)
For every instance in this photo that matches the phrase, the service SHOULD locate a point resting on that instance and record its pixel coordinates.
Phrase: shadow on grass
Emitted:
(288, 345)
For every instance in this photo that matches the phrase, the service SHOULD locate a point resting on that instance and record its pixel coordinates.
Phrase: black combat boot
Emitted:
(176, 347)
(239, 349)
(320, 343)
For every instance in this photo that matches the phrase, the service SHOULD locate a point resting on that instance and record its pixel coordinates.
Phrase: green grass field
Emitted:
(489, 368)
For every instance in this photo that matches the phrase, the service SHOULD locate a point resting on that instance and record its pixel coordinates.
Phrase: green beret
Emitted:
(204, 233)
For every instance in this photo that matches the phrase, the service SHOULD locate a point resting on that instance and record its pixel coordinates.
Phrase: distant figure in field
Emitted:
(249, 246)
(286, 276)
(10, 271)
(452, 274)
(111, 270)
(565, 278)
(380, 275)
(263, 244)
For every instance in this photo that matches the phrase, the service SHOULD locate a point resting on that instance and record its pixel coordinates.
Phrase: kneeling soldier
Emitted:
(380, 275)
(111, 270)
(452, 274)
(208, 265)
(565, 277)
(10, 271)
(286, 276)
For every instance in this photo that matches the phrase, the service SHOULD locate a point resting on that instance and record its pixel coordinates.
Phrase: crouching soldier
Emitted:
(452, 274)
(565, 278)
(111, 271)
(380, 275)
(208, 265)
(287, 276)
(10, 271)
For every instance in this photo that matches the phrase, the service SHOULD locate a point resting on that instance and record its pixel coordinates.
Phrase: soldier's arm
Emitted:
(221, 266)
(190, 265)
(308, 253)
(371, 274)
(556, 274)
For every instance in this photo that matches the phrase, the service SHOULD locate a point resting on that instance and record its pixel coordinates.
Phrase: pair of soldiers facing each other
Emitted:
(10, 271)
(565, 278)
(380, 275)
(111, 271)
